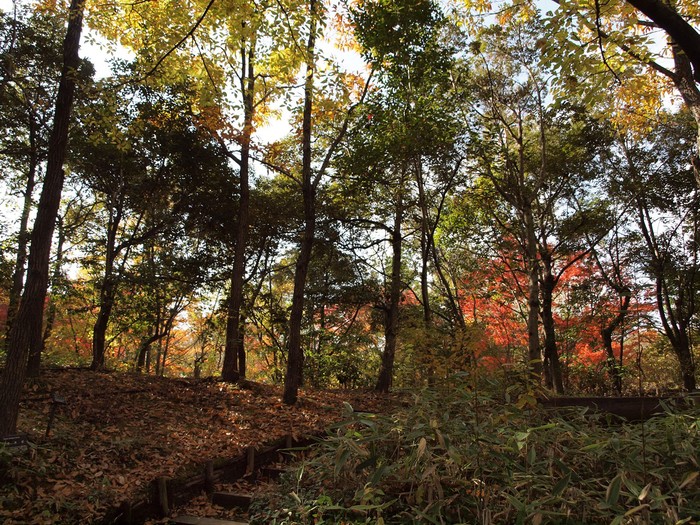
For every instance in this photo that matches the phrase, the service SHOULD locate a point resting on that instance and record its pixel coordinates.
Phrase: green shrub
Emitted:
(459, 455)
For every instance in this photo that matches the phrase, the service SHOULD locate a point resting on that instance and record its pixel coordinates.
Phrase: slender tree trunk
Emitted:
(234, 353)
(108, 291)
(606, 333)
(425, 249)
(26, 330)
(391, 326)
(23, 234)
(533, 314)
(675, 315)
(295, 356)
(550, 342)
(241, 347)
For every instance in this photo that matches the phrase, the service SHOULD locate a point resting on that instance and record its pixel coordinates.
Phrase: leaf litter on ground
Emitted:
(118, 431)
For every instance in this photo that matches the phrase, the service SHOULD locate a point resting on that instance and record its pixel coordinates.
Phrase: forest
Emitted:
(357, 194)
(386, 195)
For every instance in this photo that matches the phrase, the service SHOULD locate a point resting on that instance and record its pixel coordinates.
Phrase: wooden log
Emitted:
(629, 408)
(232, 500)
(272, 472)
(196, 520)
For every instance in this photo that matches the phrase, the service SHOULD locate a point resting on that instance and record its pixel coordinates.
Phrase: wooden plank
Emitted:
(196, 520)
(630, 408)
(232, 500)
(272, 472)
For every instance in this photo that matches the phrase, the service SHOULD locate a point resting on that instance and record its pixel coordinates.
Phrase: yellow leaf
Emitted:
(689, 479)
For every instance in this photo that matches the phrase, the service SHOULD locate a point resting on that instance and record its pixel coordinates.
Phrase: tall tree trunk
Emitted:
(26, 330)
(391, 325)
(295, 356)
(34, 363)
(23, 234)
(675, 313)
(533, 312)
(553, 368)
(234, 353)
(426, 245)
(108, 291)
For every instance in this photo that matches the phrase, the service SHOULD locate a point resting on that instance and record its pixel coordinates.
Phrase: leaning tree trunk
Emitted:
(687, 87)
(26, 330)
(34, 362)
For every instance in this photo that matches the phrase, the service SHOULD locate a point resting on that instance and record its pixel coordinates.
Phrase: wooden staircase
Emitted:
(257, 468)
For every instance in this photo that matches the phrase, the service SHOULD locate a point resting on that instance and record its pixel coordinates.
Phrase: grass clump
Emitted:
(460, 455)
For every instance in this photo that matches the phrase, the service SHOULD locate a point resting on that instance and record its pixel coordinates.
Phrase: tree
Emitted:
(26, 331)
(613, 33)
(144, 160)
(309, 180)
(668, 220)
(407, 150)
(31, 63)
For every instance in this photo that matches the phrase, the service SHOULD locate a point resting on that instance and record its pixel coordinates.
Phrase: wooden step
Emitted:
(231, 500)
(195, 520)
(272, 472)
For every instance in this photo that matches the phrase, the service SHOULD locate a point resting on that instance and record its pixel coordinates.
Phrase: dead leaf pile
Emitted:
(119, 431)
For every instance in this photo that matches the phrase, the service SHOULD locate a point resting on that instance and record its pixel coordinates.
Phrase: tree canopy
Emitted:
(376, 193)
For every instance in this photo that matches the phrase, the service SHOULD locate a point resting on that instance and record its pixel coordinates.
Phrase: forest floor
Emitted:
(117, 432)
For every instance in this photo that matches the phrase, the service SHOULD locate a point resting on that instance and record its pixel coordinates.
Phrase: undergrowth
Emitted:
(459, 455)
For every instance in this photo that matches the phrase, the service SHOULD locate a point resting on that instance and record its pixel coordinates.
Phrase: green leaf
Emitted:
(561, 485)
(519, 505)
(612, 495)
(340, 461)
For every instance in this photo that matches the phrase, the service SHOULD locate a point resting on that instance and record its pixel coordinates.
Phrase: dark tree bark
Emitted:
(108, 291)
(551, 354)
(34, 363)
(391, 322)
(23, 234)
(688, 88)
(309, 186)
(676, 310)
(295, 356)
(26, 330)
(606, 333)
(234, 354)
(533, 302)
(668, 19)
